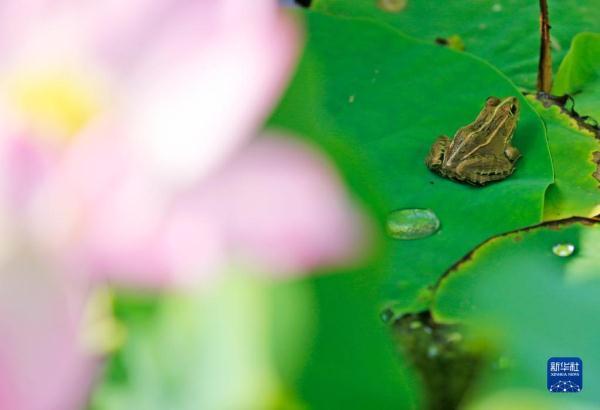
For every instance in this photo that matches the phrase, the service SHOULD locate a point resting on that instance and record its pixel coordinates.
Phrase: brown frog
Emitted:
(480, 152)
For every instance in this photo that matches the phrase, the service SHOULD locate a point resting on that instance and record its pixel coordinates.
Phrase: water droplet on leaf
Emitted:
(412, 223)
(563, 249)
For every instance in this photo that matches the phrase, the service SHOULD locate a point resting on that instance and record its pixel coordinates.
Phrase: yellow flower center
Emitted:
(58, 102)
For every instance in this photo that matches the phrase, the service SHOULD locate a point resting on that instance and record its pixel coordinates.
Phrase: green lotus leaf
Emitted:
(248, 343)
(575, 191)
(579, 74)
(505, 33)
(530, 295)
(377, 100)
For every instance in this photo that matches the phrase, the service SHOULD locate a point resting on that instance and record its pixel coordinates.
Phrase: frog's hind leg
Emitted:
(512, 153)
(480, 170)
(435, 158)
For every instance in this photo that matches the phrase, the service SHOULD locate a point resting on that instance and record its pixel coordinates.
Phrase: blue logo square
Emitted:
(565, 374)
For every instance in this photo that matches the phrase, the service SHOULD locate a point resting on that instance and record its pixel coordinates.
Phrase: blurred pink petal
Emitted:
(23, 167)
(42, 365)
(189, 79)
(233, 60)
(17, 18)
(277, 203)
(282, 205)
(129, 159)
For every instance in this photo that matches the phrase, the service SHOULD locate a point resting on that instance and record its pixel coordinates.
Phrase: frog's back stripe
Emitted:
(489, 139)
(485, 124)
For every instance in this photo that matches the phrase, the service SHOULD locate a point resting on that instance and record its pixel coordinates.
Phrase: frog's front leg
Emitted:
(435, 158)
(480, 170)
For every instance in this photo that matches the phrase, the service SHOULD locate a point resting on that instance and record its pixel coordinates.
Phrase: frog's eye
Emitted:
(514, 109)
(492, 101)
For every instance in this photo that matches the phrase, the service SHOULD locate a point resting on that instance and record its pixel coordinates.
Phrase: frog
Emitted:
(482, 151)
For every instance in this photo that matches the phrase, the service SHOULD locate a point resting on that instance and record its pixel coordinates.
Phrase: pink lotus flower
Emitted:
(128, 151)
